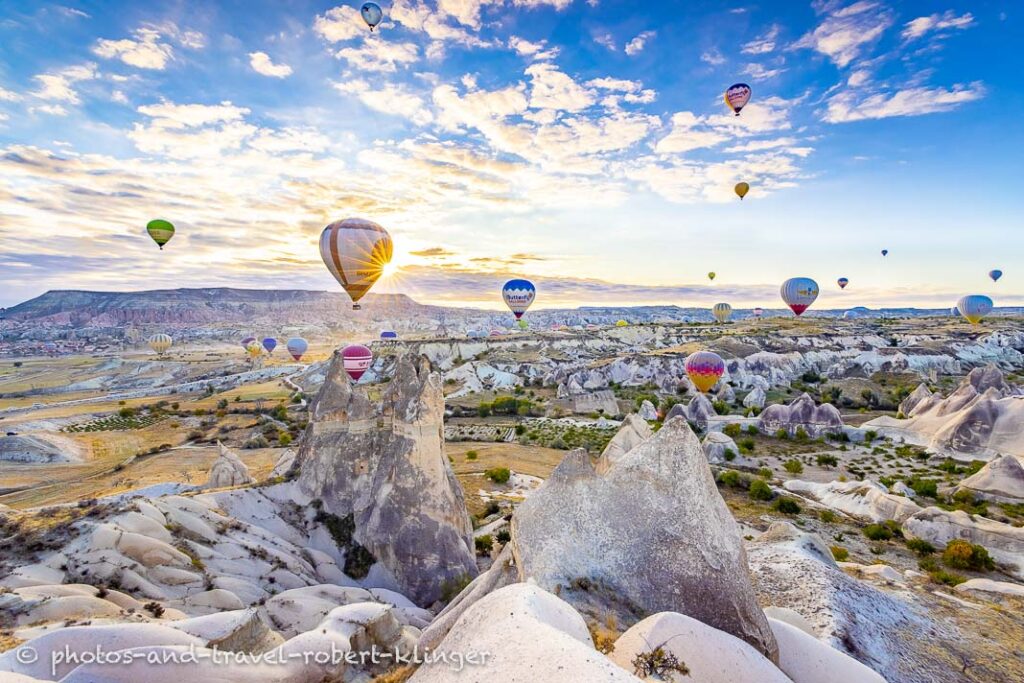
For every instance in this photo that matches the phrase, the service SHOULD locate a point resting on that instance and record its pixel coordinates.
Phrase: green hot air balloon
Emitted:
(161, 231)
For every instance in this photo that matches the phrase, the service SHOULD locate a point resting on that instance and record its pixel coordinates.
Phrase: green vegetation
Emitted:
(787, 506)
(760, 490)
(878, 532)
(960, 554)
(484, 544)
(793, 466)
(840, 553)
(499, 475)
(827, 460)
(920, 546)
(117, 423)
(732, 430)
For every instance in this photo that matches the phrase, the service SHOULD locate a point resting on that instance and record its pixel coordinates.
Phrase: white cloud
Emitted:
(683, 181)
(538, 51)
(936, 22)
(177, 116)
(847, 106)
(760, 72)
(380, 55)
(388, 99)
(553, 89)
(51, 109)
(466, 12)
(764, 44)
(262, 64)
(58, 85)
(9, 96)
(339, 24)
(713, 57)
(119, 97)
(144, 52)
(557, 4)
(638, 43)
(606, 40)
(417, 16)
(690, 131)
(846, 31)
(858, 78)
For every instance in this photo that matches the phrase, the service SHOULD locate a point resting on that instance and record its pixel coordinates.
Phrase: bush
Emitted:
(924, 487)
(826, 460)
(947, 578)
(827, 516)
(484, 544)
(801, 434)
(781, 433)
(764, 473)
(840, 553)
(870, 436)
(520, 430)
(259, 441)
(920, 546)
(732, 430)
(729, 455)
(471, 455)
(721, 407)
(126, 412)
(878, 532)
(503, 536)
(499, 475)
(760, 490)
(747, 445)
(787, 506)
(793, 466)
(730, 478)
(484, 410)
(960, 554)
(284, 438)
(753, 430)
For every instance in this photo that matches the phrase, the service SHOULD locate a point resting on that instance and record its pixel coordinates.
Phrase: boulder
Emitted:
(232, 631)
(716, 445)
(921, 394)
(864, 500)
(699, 411)
(710, 655)
(674, 547)
(648, 411)
(805, 659)
(381, 470)
(755, 399)
(228, 470)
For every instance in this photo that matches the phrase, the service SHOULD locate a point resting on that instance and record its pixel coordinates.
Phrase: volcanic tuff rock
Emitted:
(755, 399)
(861, 499)
(1005, 543)
(674, 547)
(1002, 480)
(815, 420)
(716, 445)
(382, 467)
(633, 432)
(228, 470)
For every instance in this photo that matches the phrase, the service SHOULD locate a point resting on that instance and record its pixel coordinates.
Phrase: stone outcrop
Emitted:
(648, 411)
(673, 547)
(228, 470)
(381, 470)
(716, 446)
(802, 413)
(864, 500)
(1001, 480)
(1005, 543)
(755, 399)
(633, 432)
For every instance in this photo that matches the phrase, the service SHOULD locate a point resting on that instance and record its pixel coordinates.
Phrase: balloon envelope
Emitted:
(995, 274)
(758, 312)
(885, 252)
(161, 231)
(704, 369)
(296, 347)
(355, 250)
(974, 307)
(518, 295)
(737, 96)
(711, 275)
(160, 342)
(721, 312)
(843, 282)
(356, 359)
(388, 334)
(799, 293)
(269, 343)
(254, 349)
(248, 340)
(371, 13)
(621, 323)
(742, 189)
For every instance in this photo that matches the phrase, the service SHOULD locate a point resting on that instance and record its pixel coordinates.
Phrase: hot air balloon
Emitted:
(372, 14)
(388, 335)
(758, 312)
(355, 250)
(254, 349)
(356, 359)
(296, 347)
(850, 315)
(721, 312)
(518, 295)
(995, 274)
(160, 343)
(269, 343)
(742, 189)
(496, 333)
(799, 293)
(246, 341)
(955, 312)
(885, 252)
(711, 275)
(704, 369)
(161, 231)
(737, 96)
(974, 307)
(843, 282)
(523, 325)
(621, 323)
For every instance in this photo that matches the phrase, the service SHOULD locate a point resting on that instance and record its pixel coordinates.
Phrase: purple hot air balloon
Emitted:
(269, 343)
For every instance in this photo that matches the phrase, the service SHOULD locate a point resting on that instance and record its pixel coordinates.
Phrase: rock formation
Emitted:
(648, 411)
(1001, 480)
(381, 471)
(633, 432)
(716, 445)
(801, 413)
(228, 470)
(755, 399)
(673, 547)
(864, 500)
(1005, 543)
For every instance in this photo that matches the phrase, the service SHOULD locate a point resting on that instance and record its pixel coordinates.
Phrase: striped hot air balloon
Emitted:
(842, 282)
(974, 307)
(296, 347)
(160, 343)
(356, 359)
(356, 251)
(704, 369)
(722, 312)
(518, 295)
(161, 231)
(799, 293)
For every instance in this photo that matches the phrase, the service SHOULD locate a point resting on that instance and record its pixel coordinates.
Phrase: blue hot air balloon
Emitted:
(269, 343)
(372, 14)
(995, 274)
(518, 295)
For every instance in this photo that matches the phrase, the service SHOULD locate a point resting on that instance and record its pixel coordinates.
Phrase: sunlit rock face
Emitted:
(801, 414)
(380, 468)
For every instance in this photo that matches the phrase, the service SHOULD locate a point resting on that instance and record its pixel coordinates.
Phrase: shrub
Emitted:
(960, 554)
(753, 430)
(920, 546)
(840, 553)
(732, 429)
(259, 441)
(747, 445)
(126, 412)
(471, 455)
(729, 455)
(730, 478)
(721, 407)
(801, 434)
(781, 433)
(924, 487)
(499, 475)
(284, 438)
(503, 536)
(878, 532)
(484, 544)
(154, 608)
(787, 506)
(659, 665)
(760, 490)
(827, 516)
(793, 466)
(947, 578)
(826, 460)
(870, 435)
(452, 587)
(520, 430)
(484, 410)
(764, 473)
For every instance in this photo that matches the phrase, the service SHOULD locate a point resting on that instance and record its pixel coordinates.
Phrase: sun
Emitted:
(389, 270)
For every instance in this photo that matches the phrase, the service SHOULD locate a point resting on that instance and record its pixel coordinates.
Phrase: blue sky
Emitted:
(581, 144)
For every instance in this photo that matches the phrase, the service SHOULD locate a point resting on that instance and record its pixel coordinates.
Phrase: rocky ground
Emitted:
(847, 506)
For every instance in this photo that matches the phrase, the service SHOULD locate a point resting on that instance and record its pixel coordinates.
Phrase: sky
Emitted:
(583, 144)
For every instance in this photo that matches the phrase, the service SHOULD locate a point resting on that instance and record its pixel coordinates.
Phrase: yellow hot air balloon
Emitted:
(711, 275)
(254, 349)
(160, 343)
(621, 323)
(721, 312)
(742, 189)
(356, 251)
